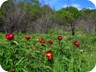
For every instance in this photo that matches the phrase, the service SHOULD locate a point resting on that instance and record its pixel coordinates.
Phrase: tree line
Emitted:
(30, 16)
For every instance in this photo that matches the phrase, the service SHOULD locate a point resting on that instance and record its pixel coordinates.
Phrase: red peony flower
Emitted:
(50, 42)
(49, 55)
(59, 37)
(9, 36)
(42, 40)
(27, 37)
(76, 44)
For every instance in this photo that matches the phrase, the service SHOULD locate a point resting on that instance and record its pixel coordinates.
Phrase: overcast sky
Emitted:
(58, 4)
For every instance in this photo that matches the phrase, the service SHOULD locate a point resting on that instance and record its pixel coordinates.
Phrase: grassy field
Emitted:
(21, 55)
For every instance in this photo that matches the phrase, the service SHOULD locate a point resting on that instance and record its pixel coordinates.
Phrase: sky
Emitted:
(58, 4)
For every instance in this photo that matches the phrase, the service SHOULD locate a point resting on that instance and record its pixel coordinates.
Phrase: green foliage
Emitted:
(32, 8)
(74, 11)
(63, 17)
(86, 12)
(46, 9)
(67, 15)
(21, 55)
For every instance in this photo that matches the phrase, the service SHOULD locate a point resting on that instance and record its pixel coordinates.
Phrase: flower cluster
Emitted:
(48, 54)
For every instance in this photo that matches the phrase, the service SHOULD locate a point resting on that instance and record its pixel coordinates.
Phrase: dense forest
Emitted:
(31, 16)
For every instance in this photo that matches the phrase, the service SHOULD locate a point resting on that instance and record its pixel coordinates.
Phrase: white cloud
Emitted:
(65, 6)
(77, 6)
(74, 5)
(89, 8)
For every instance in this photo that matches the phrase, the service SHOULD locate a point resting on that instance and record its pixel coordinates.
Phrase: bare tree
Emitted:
(43, 23)
(13, 16)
